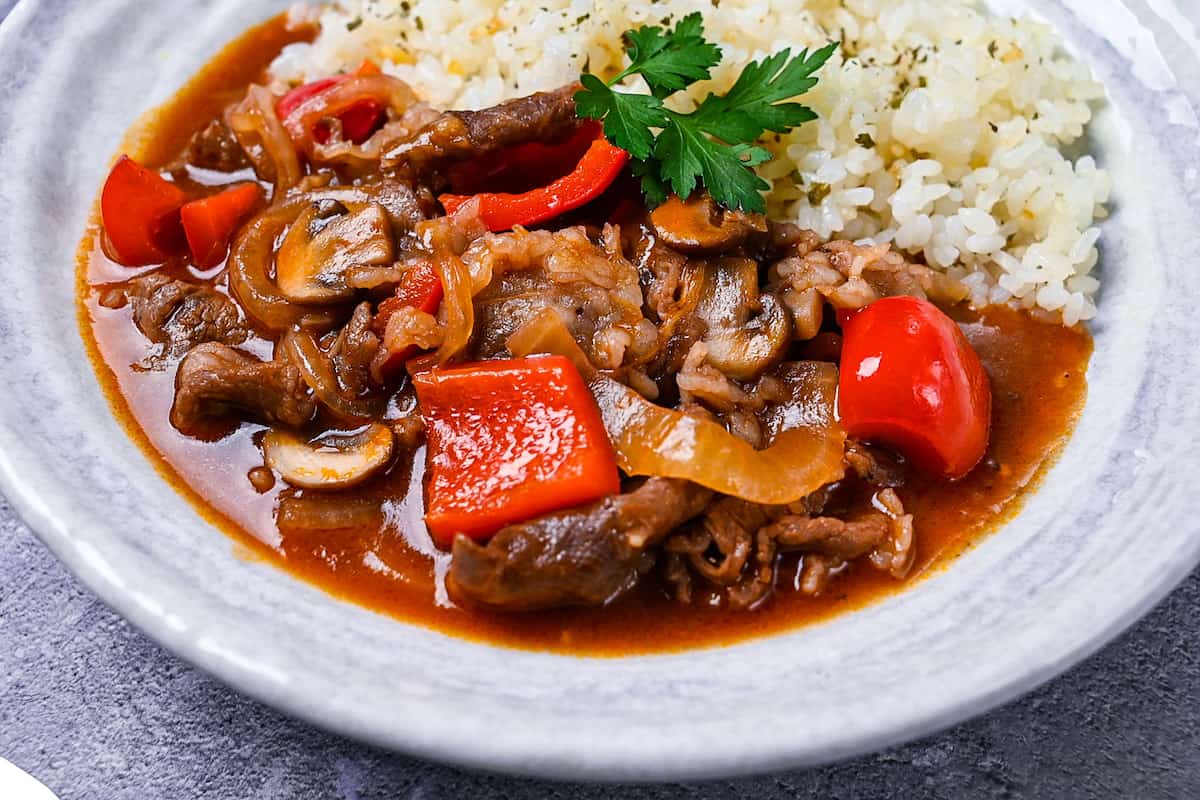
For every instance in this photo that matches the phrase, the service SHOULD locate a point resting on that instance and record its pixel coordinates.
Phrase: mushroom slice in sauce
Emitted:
(331, 461)
(326, 240)
(699, 226)
(747, 332)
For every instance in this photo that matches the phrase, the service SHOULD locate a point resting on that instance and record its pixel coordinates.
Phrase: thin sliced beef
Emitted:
(828, 536)
(461, 135)
(884, 536)
(215, 382)
(720, 544)
(216, 148)
(353, 350)
(828, 543)
(586, 556)
(592, 286)
(180, 315)
(672, 285)
(873, 465)
(850, 275)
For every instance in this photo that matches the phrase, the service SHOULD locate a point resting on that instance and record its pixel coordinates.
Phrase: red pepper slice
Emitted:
(359, 121)
(140, 211)
(421, 288)
(594, 173)
(911, 380)
(210, 222)
(508, 441)
(293, 99)
(523, 167)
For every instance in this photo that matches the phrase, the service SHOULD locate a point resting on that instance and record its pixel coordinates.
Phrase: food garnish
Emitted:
(675, 151)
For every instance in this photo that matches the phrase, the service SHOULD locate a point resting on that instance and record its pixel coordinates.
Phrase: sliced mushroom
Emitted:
(331, 461)
(327, 239)
(700, 226)
(747, 332)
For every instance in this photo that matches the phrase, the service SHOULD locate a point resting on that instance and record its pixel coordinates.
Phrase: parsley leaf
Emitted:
(714, 145)
(753, 105)
(687, 155)
(652, 186)
(670, 60)
(628, 118)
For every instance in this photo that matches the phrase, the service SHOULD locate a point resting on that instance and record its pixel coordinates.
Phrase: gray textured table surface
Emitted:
(96, 710)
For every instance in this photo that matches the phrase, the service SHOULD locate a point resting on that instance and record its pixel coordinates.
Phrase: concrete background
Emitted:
(96, 710)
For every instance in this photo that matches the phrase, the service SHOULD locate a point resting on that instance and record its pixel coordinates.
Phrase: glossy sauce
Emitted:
(1038, 374)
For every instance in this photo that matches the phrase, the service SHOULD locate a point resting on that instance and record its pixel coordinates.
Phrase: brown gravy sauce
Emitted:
(1038, 374)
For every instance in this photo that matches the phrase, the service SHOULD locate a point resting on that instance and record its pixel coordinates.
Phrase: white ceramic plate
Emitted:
(1110, 532)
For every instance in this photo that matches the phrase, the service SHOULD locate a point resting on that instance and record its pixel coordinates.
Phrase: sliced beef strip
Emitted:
(591, 285)
(671, 284)
(850, 275)
(828, 536)
(874, 465)
(461, 135)
(180, 315)
(586, 556)
(216, 148)
(352, 351)
(827, 542)
(216, 382)
(719, 545)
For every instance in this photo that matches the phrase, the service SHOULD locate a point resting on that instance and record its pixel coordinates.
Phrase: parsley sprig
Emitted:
(713, 145)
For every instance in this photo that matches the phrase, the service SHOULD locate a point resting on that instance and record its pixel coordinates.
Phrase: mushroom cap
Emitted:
(330, 461)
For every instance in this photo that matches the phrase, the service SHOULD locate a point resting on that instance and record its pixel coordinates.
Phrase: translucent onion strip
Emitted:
(302, 350)
(652, 440)
(806, 452)
(389, 92)
(250, 266)
(256, 125)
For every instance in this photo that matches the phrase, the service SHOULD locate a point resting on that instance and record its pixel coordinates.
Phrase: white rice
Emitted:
(941, 129)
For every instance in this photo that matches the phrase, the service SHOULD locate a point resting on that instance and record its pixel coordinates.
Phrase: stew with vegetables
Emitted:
(467, 368)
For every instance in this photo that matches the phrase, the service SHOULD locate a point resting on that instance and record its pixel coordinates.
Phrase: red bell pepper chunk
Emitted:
(210, 222)
(508, 441)
(911, 380)
(140, 211)
(594, 173)
(421, 288)
(359, 121)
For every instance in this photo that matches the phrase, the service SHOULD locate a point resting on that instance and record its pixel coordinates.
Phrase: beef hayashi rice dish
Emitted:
(652, 356)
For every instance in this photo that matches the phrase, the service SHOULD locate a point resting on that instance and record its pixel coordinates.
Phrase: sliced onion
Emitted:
(457, 312)
(255, 124)
(447, 238)
(651, 440)
(302, 350)
(250, 262)
(547, 333)
(807, 444)
(389, 92)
